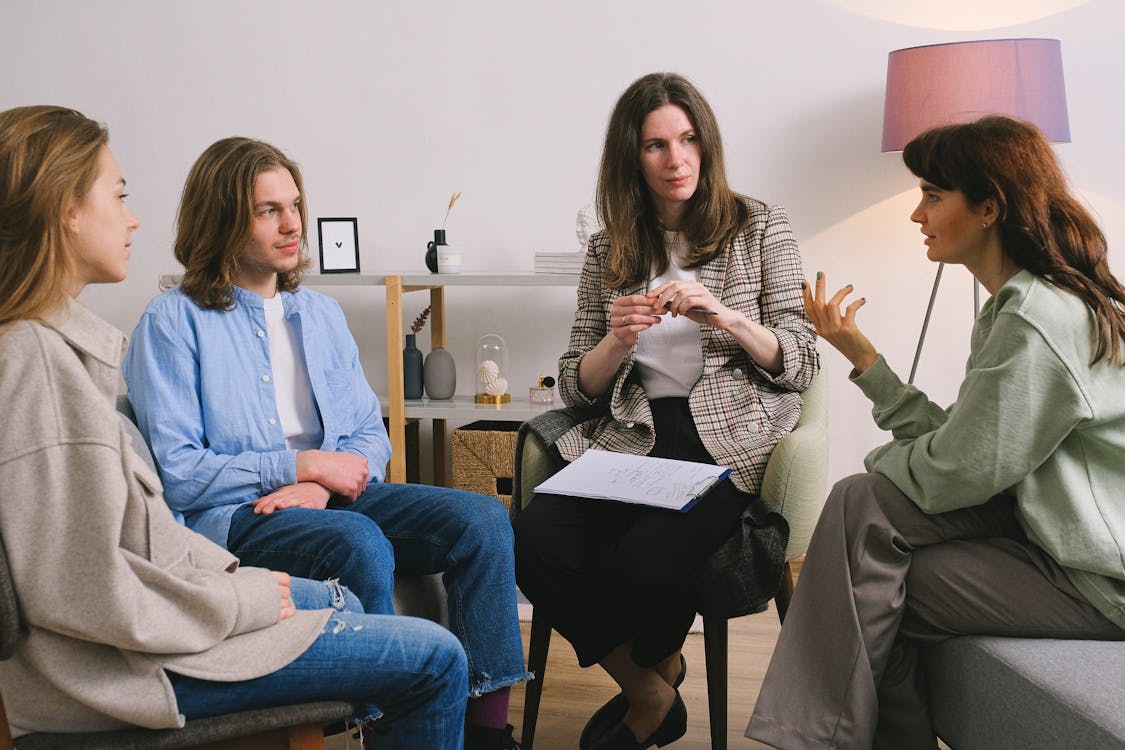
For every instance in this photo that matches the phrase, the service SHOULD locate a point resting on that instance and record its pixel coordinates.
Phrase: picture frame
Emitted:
(339, 245)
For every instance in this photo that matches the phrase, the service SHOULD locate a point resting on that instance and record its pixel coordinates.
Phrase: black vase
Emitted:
(432, 250)
(411, 370)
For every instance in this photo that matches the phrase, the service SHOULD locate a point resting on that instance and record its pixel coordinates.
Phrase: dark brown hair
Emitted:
(216, 217)
(713, 214)
(1043, 228)
(48, 161)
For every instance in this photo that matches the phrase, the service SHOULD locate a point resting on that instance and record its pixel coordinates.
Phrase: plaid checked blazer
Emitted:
(740, 410)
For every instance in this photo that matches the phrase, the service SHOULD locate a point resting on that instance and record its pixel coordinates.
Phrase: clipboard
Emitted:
(642, 480)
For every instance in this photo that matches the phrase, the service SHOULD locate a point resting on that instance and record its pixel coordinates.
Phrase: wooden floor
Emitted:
(571, 694)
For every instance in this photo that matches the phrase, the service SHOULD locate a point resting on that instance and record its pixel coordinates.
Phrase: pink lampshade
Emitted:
(941, 84)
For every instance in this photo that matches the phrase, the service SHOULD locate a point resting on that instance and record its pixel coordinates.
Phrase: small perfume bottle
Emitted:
(543, 392)
(492, 370)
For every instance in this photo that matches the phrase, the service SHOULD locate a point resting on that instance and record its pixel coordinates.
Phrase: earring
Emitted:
(984, 225)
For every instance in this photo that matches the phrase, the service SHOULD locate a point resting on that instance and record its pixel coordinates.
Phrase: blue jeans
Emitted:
(415, 529)
(409, 671)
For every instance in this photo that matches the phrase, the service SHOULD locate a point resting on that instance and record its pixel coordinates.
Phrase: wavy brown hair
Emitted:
(711, 217)
(48, 161)
(216, 217)
(1043, 228)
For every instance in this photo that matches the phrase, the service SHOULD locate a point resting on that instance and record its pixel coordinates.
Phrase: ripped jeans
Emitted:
(407, 672)
(408, 528)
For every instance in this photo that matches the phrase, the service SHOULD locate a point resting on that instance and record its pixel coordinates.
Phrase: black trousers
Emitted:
(609, 573)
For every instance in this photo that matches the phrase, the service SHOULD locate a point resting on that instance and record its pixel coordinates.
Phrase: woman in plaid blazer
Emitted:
(691, 339)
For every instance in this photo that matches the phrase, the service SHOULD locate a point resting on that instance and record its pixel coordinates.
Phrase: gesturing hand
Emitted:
(339, 472)
(300, 495)
(288, 608)
(839, 328)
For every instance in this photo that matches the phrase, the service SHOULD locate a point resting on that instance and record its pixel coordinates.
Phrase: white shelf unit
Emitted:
(461, 408)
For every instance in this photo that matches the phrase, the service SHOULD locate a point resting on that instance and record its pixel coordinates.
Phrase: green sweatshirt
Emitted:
(1033, 419)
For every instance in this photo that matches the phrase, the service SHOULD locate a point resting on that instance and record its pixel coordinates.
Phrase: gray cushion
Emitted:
(996, 693)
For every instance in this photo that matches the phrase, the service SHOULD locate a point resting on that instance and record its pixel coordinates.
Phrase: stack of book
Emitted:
(559, 262)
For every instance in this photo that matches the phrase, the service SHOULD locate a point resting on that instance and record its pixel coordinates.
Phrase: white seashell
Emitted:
(497, 387)
(488, 369)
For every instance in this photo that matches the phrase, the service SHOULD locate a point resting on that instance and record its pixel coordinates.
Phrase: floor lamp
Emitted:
(941, 84)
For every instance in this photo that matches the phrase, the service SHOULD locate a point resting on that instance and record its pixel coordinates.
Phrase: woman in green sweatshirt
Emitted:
(1002, 514)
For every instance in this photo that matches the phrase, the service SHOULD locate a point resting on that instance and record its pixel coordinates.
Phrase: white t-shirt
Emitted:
(296, 406)
(669, 356)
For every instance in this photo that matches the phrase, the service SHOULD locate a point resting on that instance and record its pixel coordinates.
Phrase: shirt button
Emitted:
(629, 425)
(261, 334)
(265, 378)
(273, 421)
(737, 374)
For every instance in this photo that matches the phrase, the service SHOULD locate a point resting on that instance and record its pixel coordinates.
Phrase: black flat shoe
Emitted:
(671, 729)
(613, 711)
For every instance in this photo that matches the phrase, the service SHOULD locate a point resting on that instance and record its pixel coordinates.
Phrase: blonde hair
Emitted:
(48, 161)
(216, 218)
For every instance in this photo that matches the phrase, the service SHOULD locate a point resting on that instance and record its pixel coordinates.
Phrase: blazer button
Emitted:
(737, 374)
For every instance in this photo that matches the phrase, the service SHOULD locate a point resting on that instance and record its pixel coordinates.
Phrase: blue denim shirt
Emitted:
(201, 383)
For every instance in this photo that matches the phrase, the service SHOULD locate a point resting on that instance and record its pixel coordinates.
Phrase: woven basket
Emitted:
(483, 458)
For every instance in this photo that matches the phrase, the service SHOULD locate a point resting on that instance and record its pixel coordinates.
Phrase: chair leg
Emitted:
(715, 655)
(789, 576)
(536, 664)
(5, 733)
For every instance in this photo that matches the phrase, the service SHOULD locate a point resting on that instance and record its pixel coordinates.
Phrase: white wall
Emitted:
(391, 106)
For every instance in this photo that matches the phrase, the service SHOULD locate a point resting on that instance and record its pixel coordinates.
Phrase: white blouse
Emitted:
(669, 356)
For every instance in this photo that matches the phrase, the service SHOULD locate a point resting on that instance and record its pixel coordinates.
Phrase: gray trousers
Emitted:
(880, 578)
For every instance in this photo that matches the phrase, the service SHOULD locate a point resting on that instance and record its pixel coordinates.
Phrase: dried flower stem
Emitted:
(420, 322)
(453, 199)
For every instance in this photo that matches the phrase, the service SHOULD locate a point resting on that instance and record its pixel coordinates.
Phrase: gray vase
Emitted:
(439, 373)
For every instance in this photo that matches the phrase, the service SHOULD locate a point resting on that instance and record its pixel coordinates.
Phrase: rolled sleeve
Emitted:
(278, 469)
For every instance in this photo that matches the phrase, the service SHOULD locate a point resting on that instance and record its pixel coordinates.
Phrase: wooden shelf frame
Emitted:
(399, 411)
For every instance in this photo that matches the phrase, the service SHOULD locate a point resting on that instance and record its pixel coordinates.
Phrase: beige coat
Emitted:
(112, 589)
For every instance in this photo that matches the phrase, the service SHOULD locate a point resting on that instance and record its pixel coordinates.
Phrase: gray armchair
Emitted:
(794, 484)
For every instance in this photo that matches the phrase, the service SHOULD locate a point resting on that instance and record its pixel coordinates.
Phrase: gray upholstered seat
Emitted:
(997, 693)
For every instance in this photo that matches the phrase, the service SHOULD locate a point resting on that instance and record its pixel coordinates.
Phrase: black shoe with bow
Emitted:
(672, 728)
(613, 712)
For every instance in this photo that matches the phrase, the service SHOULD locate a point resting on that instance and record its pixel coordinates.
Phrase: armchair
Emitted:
(794, 484)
